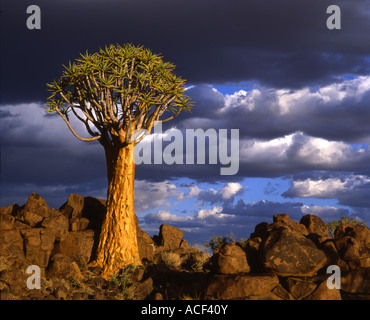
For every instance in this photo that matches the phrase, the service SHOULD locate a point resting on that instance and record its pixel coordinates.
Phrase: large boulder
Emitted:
(353, 243)
(6, 221)
(15, 281)
(63, 267)
(240, 286)
(357, 281)
(327, 245)
(58, 223)
(230, 258)
(73, 208)
(77, 245)
(324, 293)
(10, 238)
(12, 210)
(35, 210)
(38, 245)
(299, 288)
(315, 225)
(287, 252)
(169, 237)
(145, 244)
(283, 219)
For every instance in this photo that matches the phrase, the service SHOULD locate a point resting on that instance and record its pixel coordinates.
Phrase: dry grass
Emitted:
(169, 258)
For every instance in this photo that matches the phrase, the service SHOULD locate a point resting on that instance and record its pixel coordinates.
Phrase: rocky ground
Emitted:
(284, 260)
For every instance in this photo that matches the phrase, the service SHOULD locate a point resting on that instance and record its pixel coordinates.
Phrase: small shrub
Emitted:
(195, 260)
(124, 281)
(170, 259)
(215, 241)
(332, 226)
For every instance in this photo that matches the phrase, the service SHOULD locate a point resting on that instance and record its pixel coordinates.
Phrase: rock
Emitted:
(184, 244)
(145, 244)
(315, 225)
(90, 212)
(12, 210)
(230, 259)
(97, 281)
(58, 223)
(360, 233)
(240, 286)
(94, 210)
(10, 238)
(38, 243)
(79, 296)
(353, 244)
(16, 280)
(158, 296)
(266, 296)
(98, 296)
(284, 219)
(327, 245)
(251, 249)
(288, 253)
(357, 264)
(281, 292)
(350, 248)
(32, 218)
(61, 293)
(77, 245)
(324, 293)
(13, 257)
(342, 230)
(141, 290)
(260, 231)
(35, 210)
(74, 206)
(6, 221)
(169, 237)
(137, 275)
(357, 281)
(78, 224)
(63, 267)
(299, 288)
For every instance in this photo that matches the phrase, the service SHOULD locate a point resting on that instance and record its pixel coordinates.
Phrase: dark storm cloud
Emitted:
(278, 43)
(39, 154)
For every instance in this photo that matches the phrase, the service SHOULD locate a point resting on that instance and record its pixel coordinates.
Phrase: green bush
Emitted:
(215, 241)
(332, 226)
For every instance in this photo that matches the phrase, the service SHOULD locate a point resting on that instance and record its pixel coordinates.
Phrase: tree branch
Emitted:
(74, 132)
(172, 117)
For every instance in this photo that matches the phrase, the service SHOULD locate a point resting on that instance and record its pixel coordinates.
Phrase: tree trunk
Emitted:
(118, 240)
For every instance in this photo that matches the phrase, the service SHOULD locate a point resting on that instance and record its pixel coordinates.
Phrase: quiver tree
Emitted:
(116, 93)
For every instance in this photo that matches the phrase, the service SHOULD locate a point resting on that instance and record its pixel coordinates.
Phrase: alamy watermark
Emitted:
(333, 282)
(189, 147)
(34, 20)
(34, 280)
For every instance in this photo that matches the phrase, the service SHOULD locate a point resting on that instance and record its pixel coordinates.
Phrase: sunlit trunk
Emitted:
(118, 240)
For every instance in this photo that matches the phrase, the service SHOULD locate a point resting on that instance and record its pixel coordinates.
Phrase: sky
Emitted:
(297, 91)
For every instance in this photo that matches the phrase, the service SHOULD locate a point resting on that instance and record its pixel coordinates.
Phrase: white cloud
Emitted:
(300, 151)
(230, 190)
(166, 216)
(214, 213)
(241, 98)
(328, 188)
(155, 194)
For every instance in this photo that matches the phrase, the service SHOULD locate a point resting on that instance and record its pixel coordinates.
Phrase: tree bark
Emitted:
(118, 238)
